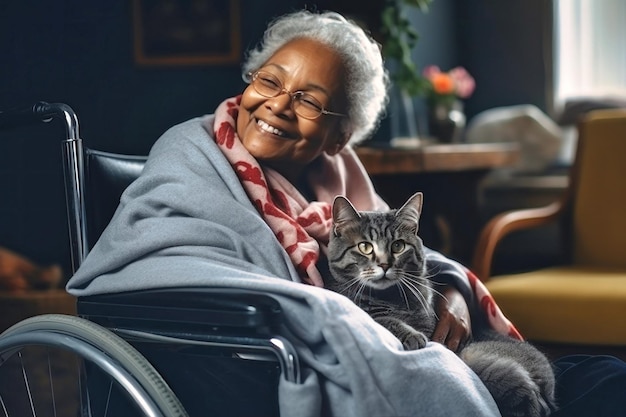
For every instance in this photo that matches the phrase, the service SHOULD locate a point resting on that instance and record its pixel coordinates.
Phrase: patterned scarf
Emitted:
(300, 226)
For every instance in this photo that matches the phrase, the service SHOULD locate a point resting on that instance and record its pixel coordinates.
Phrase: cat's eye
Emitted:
(366, 248)
(397, 246)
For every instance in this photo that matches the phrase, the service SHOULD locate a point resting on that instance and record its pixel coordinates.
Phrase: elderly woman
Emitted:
(242, 198)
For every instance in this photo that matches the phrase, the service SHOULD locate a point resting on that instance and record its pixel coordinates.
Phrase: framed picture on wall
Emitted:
(186, 32)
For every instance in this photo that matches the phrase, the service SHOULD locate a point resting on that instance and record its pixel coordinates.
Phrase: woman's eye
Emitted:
(269, 82)
(397, 246)
(366, 248)
(309, 101)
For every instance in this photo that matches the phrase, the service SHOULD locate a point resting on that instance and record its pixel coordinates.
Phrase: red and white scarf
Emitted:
(300, 226)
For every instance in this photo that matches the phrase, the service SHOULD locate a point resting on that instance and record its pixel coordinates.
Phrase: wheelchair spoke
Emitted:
(51, 379)
(4, 407)
(108, 401)
(27, 385)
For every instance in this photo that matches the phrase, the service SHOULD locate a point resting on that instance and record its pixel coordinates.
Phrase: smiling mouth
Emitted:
(270, 129)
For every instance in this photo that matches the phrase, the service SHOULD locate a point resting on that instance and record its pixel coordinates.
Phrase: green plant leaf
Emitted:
(400, 39)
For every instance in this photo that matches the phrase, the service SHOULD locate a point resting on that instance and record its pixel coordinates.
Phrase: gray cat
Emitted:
(378, 261)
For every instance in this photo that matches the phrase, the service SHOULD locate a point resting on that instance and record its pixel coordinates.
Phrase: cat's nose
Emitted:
(385, 267)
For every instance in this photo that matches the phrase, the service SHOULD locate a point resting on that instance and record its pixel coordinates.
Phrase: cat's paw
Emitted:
(414, 341)
(524, 402)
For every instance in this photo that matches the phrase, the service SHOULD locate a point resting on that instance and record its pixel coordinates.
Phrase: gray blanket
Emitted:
(187, 221)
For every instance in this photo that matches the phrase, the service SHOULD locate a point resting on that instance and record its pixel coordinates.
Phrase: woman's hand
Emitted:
(454, 326)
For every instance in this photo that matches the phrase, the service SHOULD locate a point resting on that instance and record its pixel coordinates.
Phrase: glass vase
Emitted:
(404, 129)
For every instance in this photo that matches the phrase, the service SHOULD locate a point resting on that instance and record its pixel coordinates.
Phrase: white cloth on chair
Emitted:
(539, 137)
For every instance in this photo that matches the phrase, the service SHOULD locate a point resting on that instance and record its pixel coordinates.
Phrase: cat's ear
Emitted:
(412, 209)
(343, 212)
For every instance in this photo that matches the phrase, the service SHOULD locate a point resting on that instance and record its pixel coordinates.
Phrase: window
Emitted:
(590, 49)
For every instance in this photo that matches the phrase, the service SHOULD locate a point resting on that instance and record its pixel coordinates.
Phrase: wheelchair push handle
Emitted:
(24, 116)
(40, 112)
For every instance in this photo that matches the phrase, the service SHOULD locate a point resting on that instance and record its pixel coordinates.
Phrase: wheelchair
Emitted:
(167, 352)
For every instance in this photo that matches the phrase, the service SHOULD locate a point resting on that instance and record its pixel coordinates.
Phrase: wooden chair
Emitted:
(582, 302)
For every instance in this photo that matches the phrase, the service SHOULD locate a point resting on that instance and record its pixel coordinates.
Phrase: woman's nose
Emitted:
(282, 103)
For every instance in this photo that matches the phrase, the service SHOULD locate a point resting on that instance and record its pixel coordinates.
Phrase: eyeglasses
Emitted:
(303, 104)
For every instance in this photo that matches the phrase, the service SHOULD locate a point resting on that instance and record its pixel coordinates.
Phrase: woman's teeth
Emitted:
(264, 126)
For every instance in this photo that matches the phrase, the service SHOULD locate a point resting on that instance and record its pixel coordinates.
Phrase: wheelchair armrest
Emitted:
(503, 224)
(202, 309)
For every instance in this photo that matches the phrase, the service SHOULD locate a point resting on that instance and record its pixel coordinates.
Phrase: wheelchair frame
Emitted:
(104, 331)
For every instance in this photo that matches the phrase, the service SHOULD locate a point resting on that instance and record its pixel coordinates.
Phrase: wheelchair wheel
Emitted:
(73, 349)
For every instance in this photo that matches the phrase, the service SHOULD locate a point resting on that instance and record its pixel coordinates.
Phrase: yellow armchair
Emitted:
(584, 301)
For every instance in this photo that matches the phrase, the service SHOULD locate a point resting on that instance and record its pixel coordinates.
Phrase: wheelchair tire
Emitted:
(102, 348)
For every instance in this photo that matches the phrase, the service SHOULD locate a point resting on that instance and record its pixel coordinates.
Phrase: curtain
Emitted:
(590, 49)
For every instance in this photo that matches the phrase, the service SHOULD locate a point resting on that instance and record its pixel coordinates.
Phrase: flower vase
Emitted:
(446, 121)
(404, 131)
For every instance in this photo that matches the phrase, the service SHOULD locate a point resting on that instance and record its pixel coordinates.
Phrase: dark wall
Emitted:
(80, 53)
(507, 47)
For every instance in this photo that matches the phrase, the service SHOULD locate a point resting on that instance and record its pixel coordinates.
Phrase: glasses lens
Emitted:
(266, 84)
(307, 106)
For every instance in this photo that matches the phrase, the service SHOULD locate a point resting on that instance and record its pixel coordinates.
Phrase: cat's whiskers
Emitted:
(412, 286)
(350, 289)
(358, 294)
(403, 293)
(416, 279)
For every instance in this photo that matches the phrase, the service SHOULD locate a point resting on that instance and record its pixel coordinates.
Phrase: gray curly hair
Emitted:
(367, 80)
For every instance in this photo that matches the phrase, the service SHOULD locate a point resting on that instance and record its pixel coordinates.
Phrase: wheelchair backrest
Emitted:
(106, 177)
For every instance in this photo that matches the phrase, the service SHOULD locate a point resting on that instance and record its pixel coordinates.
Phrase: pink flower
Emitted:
(465, 83)
(430, 71)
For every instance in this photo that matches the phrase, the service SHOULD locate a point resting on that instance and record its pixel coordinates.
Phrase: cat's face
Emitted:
(376, 249)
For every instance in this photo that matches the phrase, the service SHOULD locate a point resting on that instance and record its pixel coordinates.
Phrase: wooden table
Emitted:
(438, 158)
(450, 176)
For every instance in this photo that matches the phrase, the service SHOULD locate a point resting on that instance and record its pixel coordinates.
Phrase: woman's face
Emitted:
(269, 128)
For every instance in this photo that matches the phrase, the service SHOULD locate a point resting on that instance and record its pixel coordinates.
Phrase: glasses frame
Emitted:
(292, 95)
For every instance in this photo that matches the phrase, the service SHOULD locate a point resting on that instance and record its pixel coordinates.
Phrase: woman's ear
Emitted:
(341, 142)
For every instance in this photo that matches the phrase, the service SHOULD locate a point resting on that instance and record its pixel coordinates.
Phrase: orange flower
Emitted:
(442, 83)
(446, 87)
